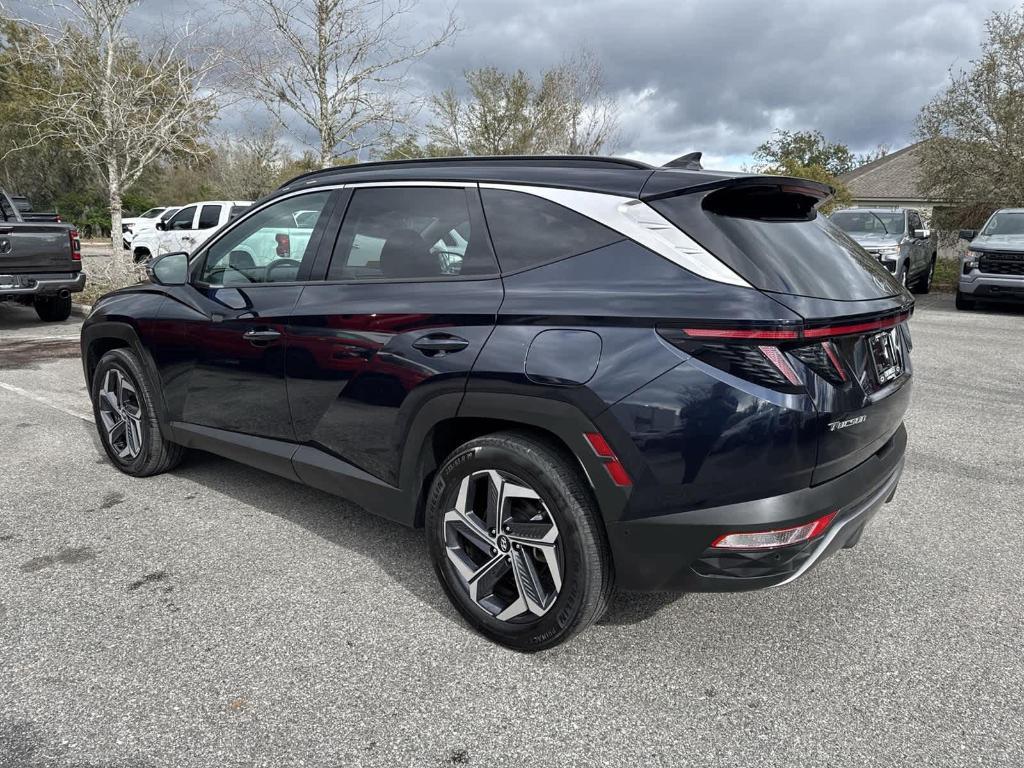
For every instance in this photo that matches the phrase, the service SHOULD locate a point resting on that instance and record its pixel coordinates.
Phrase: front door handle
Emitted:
(261, 337)
(440, 343)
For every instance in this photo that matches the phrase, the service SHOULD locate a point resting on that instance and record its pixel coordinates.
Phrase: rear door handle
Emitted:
(438, 343)
(261, 337)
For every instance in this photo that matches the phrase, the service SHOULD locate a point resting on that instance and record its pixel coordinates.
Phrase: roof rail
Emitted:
(594, 161)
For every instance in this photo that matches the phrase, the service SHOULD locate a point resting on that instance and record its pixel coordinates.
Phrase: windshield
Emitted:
(869, 222)
(168, 213)
(1005, 223)
(152, 213)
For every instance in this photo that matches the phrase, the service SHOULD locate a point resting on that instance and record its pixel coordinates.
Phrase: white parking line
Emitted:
(46, 402)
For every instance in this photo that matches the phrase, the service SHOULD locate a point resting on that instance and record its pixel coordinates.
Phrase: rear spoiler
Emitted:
(670, 183)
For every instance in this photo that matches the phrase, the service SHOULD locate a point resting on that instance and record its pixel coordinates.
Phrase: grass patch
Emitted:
(947, 275)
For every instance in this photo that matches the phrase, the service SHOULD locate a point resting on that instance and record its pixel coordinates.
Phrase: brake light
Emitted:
(775, 537)
(76, 245)
(612, 465)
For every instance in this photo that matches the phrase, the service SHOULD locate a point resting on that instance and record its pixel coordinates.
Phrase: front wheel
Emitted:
(53, 309)
(124, 407)
(517, 541)
(924, 282)
(964, 303)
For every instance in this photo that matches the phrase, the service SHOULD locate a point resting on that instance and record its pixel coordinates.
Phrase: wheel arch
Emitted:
(101, 337)
(560, 424)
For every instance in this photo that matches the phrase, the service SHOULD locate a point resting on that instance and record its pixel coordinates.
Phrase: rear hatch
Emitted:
(36, 247)
(851, 353)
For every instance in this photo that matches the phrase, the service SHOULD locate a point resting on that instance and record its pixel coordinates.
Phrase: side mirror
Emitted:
(968, 234)
(161, 225)
(923, 234)
(169, 269)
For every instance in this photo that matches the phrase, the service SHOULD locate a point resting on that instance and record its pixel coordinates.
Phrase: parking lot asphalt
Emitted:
(218, 616)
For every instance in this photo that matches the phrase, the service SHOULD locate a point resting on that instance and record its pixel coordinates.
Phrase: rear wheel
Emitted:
(124, 406)
(53, 309)
(517, 542)
(964, 303)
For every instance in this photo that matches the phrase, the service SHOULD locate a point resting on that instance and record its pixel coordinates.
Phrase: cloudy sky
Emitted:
(710, 75)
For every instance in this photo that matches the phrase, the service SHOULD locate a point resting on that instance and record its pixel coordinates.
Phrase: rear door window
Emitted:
(529, 231)
(778, 242)
(402, 233)
(209, 216)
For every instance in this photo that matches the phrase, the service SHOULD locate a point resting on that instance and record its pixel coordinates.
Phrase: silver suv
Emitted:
(993, 267)
(898, 238)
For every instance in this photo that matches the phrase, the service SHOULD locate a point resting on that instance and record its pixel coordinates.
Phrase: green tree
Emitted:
(808, 155)
(973, 130)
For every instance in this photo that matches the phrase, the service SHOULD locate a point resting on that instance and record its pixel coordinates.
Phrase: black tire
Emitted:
(586, 567)
(924, 282)
(964, 303)
(53, 309)
(141, 255)
(155, 455)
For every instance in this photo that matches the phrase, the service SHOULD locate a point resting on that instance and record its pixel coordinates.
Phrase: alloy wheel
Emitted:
(121, 414)
(503, 543)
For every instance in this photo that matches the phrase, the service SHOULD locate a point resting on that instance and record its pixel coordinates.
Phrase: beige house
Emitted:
(890, 182)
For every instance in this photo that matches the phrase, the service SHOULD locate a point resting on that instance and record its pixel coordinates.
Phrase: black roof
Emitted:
(610, 175)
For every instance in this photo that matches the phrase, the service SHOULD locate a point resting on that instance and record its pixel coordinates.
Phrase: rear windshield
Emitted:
(779, 245)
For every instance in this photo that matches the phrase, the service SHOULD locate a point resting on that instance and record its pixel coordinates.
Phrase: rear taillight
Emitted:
(76, 245)
(763, 355)
(775, 537)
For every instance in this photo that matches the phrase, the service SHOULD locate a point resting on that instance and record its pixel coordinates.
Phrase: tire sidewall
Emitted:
(124, 362)
(579, 574)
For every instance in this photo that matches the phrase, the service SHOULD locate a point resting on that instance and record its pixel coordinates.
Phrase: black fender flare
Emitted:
(559, 418)
(124, 332)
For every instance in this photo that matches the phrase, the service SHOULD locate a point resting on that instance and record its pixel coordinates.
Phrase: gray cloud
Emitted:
(715, 76)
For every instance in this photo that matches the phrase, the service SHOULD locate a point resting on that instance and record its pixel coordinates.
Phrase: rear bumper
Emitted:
(44, 283)
(673, 551)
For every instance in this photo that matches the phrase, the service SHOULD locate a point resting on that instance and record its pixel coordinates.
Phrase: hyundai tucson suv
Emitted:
(992, 269)
(576, 373)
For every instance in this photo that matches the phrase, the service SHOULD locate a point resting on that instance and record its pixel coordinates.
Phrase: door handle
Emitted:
(440, 344)
(261, 337)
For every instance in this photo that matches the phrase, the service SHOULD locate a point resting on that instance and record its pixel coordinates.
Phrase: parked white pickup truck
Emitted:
(186, 229)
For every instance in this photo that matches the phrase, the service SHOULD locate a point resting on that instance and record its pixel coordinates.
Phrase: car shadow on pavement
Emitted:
(400, 551)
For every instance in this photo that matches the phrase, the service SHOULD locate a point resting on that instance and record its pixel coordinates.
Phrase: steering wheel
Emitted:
(277, 264)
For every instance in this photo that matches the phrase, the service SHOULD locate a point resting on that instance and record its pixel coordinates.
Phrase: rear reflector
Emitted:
(752, 334)
(774, 538)
(612, 465)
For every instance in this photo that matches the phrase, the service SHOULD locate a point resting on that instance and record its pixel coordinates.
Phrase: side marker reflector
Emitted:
(778, 537)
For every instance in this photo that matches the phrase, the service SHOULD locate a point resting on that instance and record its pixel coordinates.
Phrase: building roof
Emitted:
(893, 178)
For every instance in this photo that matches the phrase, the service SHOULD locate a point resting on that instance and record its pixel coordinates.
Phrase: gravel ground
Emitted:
(220, 616)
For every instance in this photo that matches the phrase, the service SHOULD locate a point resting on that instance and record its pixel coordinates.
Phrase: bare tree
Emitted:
(565, 111)
(249, 166)
(336, 65)
(121, 106)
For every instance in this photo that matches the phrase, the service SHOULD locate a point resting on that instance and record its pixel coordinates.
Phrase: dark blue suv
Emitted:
(577, 373)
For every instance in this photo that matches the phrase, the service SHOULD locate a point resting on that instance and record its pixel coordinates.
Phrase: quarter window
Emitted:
(269, 246)
(529, 231)
(409, 233)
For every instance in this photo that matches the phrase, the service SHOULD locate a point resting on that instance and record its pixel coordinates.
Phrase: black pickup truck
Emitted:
(40, 262)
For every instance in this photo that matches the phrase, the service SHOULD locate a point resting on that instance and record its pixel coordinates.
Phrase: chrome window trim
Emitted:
(639, 222)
